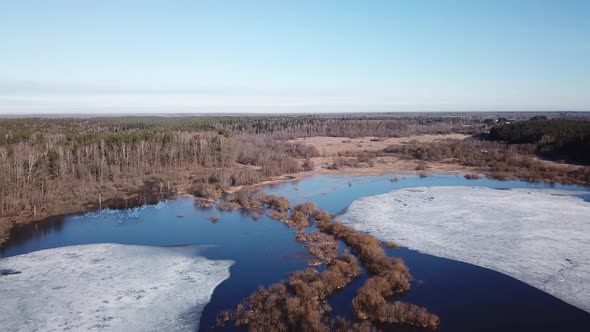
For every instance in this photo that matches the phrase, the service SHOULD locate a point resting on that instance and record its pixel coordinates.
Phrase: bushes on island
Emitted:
(247, 198)
(298, 219)
(307, 208)
(277, 203)
(299, 303)
(390, 276)
(320, 245)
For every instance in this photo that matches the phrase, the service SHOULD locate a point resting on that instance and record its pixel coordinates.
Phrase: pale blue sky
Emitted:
(284, 56)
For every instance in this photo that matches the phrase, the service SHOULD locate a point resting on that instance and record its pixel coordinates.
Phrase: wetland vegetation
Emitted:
(324, 257)
(300, 302)
(57, 166)
(50, 167)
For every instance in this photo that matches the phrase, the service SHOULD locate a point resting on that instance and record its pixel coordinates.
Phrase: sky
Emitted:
(117, 56)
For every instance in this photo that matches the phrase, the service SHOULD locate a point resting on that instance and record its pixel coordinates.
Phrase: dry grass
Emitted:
(333, 146)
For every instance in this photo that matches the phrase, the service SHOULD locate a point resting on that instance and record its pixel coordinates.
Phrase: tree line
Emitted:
(559, 138)
(279, 126)
(45, 172)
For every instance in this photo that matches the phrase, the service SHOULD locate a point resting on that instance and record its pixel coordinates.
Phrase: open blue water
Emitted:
(466, 297)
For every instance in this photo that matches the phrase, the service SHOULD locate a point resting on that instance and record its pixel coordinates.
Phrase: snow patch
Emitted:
(541, 237)
(109, 287)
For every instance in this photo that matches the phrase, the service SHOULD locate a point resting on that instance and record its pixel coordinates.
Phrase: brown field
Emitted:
(332, 146)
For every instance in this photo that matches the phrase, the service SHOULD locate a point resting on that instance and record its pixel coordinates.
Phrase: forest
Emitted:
(554, 138)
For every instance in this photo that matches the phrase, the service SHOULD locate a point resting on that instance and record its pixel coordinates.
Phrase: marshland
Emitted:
(273, 211)
(303, 165)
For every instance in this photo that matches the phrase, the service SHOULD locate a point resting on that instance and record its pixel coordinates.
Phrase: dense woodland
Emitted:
(34, 172)
(557, 138)
(499, 160)
(14, 130)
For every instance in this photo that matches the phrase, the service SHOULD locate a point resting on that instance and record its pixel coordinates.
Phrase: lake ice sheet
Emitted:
(538, 236)
(107, 287)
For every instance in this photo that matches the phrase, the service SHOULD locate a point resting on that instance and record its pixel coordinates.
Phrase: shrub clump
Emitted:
(278, 203)
(366, 247)
(322, 215)
(227, 206)
(390, 276)
(390, 244)
(247, 198)
(296, 304)
(298, 219)
(205, 190)
(308, 208)
(421, 166)
(277, 215)
(344, 325)
(204, 203)
(371, 302)
(341, 163)
(299, 303)
(301, 213)
(321, 246)
(214, 218)
(308, 165)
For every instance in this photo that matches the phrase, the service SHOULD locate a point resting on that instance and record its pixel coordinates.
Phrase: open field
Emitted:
(332, 146)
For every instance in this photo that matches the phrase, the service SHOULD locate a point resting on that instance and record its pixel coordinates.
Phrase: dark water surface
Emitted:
(465, 296)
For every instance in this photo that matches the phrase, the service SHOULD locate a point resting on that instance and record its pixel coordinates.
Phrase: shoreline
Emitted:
(476, 225)
(9, 224)
(383, 166)
(104, 283)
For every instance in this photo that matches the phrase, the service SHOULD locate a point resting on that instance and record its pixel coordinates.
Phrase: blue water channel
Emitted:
(465, 296)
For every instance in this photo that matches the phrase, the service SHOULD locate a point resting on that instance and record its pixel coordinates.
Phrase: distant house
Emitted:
(503, 121)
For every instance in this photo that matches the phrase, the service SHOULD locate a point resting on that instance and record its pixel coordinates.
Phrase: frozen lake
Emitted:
(465, 296)
(109, 287)
(539, 236)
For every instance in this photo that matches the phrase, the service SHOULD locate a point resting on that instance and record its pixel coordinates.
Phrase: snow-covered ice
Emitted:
(538, 236)
(108, 287)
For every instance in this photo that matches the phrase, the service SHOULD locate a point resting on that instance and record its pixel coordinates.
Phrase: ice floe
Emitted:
(108, 287)
(541, 237)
